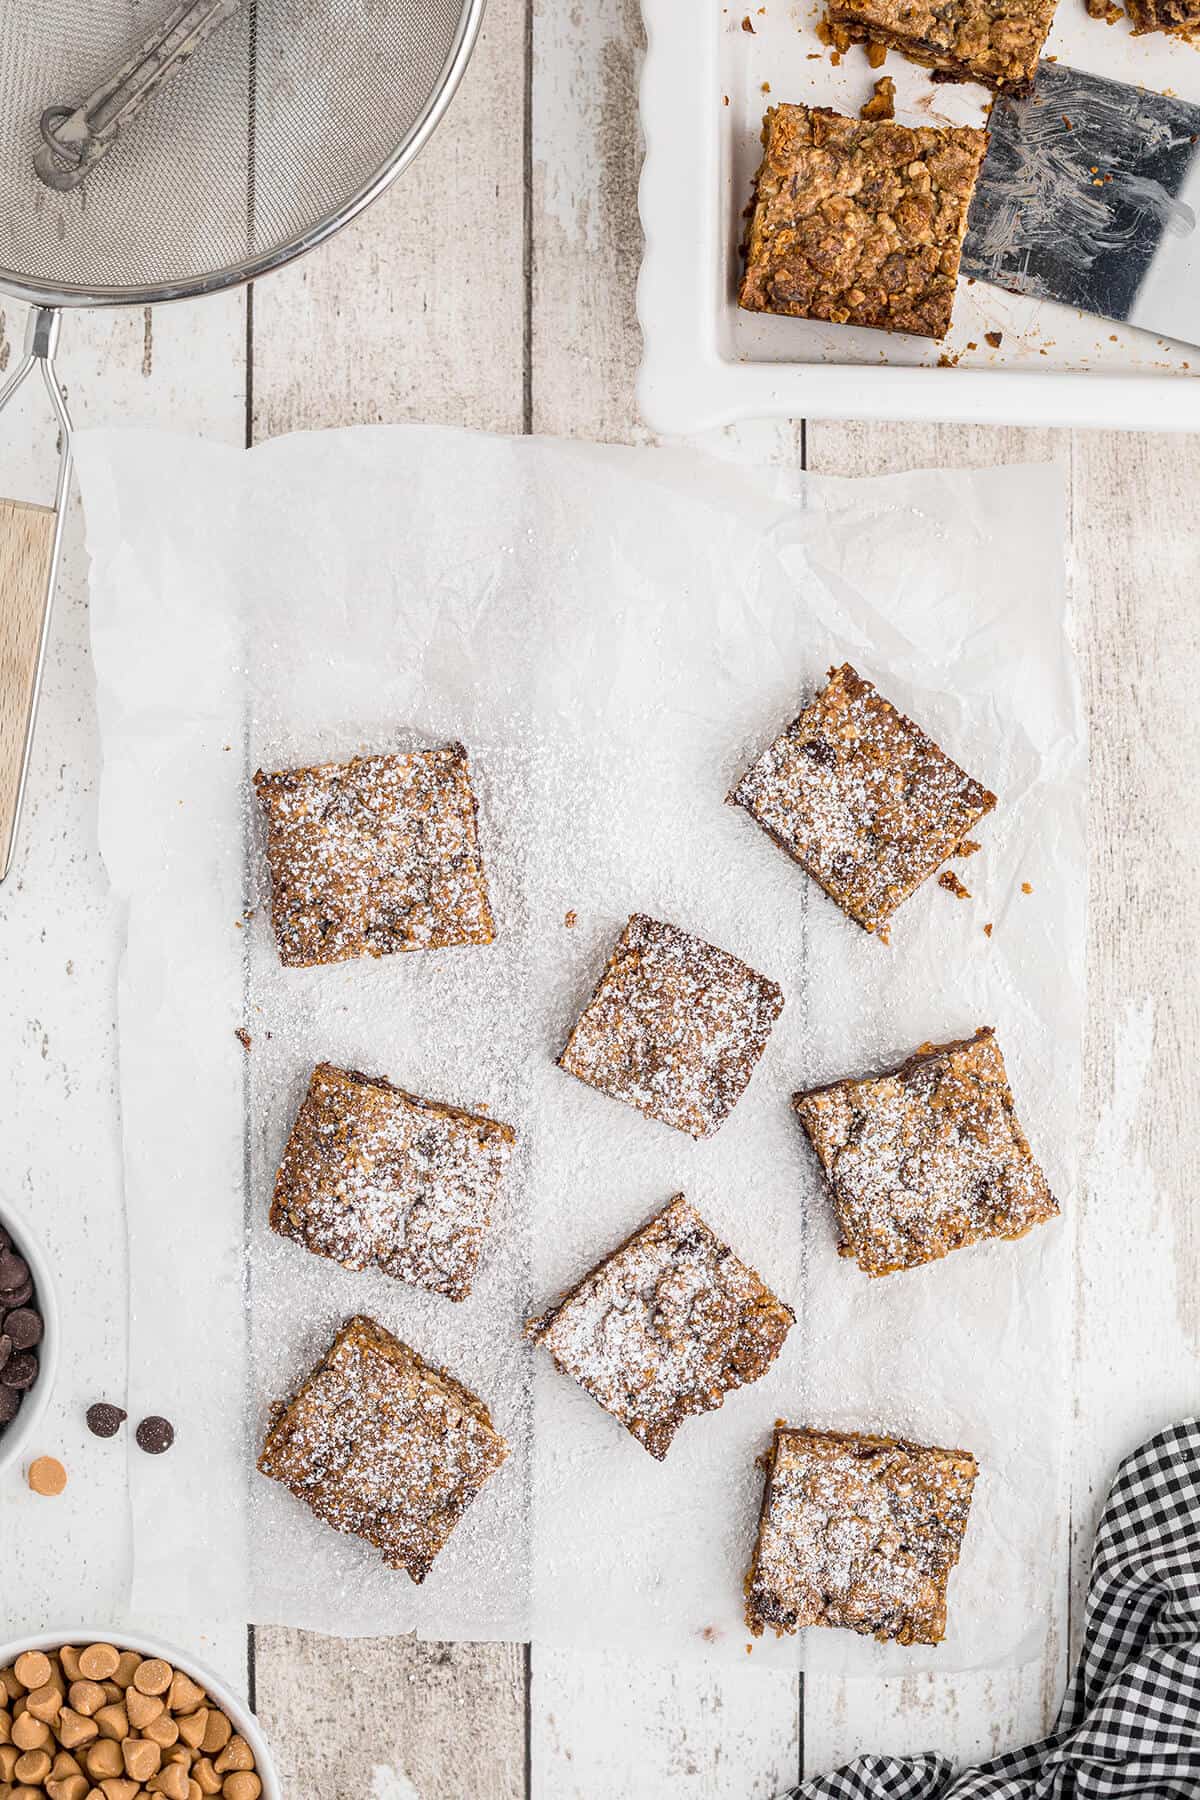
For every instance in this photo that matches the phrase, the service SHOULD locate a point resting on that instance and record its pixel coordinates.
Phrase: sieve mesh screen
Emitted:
(282, 119)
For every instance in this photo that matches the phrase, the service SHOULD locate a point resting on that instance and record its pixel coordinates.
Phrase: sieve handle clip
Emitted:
(77, 138)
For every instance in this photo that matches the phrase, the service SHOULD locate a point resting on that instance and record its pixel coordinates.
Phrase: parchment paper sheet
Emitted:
(613, 633)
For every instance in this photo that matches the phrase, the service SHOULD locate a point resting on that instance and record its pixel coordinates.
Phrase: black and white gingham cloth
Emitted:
(1130, 1723)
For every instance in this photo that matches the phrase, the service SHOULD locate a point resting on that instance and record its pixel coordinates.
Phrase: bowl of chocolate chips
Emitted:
(28, 1335)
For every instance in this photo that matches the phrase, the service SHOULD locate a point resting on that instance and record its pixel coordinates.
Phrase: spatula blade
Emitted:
(1089, 195)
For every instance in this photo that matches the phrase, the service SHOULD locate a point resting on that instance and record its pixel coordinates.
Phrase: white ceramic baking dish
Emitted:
(705, 363)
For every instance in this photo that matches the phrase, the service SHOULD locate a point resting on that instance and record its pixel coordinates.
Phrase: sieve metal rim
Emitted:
(36, 294)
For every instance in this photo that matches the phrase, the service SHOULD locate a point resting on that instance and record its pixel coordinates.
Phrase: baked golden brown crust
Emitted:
(859, 222)
(665, 1326)
(380, 1444)
(862, 799)
(926, 1158)
(374, 856)
(372, 1175)
(997, 42)
(674, 1027)
(1179, 18)
(858, 1531)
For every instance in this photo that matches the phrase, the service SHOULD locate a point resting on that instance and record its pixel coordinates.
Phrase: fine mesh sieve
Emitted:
(284, 123)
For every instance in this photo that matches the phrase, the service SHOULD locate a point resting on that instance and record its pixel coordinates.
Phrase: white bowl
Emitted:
(18, 1438)
(242, 1718)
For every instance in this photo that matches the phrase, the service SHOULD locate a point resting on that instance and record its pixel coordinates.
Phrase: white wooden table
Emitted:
(495, 288)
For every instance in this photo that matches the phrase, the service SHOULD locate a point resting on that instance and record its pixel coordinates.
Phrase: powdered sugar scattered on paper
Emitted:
(614, 635)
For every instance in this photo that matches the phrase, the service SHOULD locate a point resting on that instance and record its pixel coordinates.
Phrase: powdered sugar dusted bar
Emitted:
(380, 1444)
(374, 856)
(862, 799)
(372, 1175)
(674, 1027)
(927, 1157)
(858, 1531)
(666, 1326)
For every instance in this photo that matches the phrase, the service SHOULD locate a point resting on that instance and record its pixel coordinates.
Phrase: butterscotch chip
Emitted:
(29, 1732)
(861, 798)
(192, 1727)
(65, 1764)
(152, 1676)
(142, 1708)
(10, 1755)
(114, 1693)
(242, 1787)
(374, 856)
(33, 1766)
(162, 1731)
(858, 1531)
(926, 1158)
(675, 1027)
(68, 1656)
(32, 1669)
(143, 1758)
(217, 1732)
(185, 1696)
(119, 1788)
(44, 1702)
(128, 1664)
(104, 1758)
(68, 1787)
(372, 1175)
(382, 1444)
(172, 1782)
(195, 1791)
(87, 1697)
(47, 1476)
(113, 1720)
(206, 1777)
(5, 1726)
(13, 1686)
(99, 1662)
(237, 1754)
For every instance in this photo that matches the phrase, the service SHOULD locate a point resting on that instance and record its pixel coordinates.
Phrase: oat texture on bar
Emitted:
(674, 1028)
(665, 1326)
(374, 856)
(858, 1531)
(862, 799)
(926, 1158)
(383, 1445)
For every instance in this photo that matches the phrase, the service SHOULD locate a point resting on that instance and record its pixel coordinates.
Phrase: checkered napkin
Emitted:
(1130, 1723)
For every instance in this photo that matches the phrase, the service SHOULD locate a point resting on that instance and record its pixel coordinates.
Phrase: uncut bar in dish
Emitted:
(374, 1176)
(859, 222)
(862, 799)
(381, 1444)
(858, 1531)
(665, 1326)
(374, 856)
(926, 1158)
(674, 1027)
(996, 42)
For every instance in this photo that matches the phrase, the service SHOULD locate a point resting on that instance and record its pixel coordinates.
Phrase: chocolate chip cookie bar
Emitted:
(374, 1176)
(858, 1531)
(374, 856)
(862, 799)
(665, 1326)
(997, 42)
(859, 222)
(380, 1444)
(674, 1027)
(926, 1158)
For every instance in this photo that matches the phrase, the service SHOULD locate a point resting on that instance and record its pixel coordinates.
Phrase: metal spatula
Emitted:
(1088, 195)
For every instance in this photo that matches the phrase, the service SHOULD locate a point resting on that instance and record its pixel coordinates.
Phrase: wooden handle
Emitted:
(26, 546)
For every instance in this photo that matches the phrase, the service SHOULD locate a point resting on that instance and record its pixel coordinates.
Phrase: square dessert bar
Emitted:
(374, 856)
(859, 222)
(674, 1027)
(380, 1444)
(862, 799)
(374, 1176)
(858, 1531)
(997, 42)
(926, 1158)
(666, 1326)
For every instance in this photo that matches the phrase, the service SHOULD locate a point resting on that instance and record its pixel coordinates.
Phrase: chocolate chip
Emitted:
(24, 1327)
(154, 1435)
(20, 1371)
(104, 1420)
(18, 1296)
(13, 1270)
(10, 1402)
